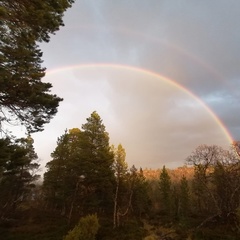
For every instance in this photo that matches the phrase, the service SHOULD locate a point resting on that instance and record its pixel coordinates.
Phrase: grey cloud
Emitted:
(194, 43)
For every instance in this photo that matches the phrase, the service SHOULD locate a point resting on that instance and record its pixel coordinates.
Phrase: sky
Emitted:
(163, 75)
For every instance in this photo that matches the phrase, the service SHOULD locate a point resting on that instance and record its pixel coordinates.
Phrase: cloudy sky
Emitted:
(163, 75)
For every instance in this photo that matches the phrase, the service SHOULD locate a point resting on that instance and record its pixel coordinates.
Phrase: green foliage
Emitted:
(59, 185)
(81, 170)
(99, 157)
(18, 165)
(24, 98)
(74, 186)
(141, 201)
(165, 190)
(86, 229)
(184, 198)
(130, 196)
(120, 165)
(120, 168)
(34, 224)
(216, 184)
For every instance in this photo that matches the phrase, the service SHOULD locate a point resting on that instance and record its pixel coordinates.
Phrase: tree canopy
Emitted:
(81, 167)
(24, 98)
(18, 167)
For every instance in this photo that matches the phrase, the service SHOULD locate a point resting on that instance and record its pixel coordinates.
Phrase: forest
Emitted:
(88, 190)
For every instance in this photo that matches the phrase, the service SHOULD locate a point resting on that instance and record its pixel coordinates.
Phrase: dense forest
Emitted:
(88, 190)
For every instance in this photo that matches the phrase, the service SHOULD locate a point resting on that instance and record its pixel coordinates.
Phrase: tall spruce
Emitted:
(100, 158)
(165, 191)
(184, 198)
(141, 201)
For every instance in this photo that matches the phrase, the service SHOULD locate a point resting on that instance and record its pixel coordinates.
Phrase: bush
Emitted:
(86, 229)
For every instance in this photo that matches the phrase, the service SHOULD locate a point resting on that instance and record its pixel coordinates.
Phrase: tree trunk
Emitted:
(115, 205)
(72, 203)
(119, 214)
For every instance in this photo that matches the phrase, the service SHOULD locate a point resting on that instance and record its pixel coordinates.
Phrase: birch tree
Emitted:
(120, 168)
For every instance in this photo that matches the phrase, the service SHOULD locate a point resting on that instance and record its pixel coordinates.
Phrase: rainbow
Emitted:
(151, 74)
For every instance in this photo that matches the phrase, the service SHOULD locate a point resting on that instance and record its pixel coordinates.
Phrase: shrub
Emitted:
(86, 229)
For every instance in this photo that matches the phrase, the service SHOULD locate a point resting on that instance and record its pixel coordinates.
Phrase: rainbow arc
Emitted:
(95, 66)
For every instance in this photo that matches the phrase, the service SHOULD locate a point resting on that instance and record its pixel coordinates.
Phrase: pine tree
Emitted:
(184, 197)
(80, 175)
(99, 157)
(24, 98)
(64, 170)
(165, 191)
(18, 172)
(141, 200)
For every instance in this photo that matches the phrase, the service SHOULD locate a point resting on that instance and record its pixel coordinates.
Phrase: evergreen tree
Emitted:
(133, 200)
(24, 98)
(204, 158)
(141, 200)
(100, 158)
(216, 182)
(64, 171)
(18, 165)
(165, 191)
(184, 198)
(80, 175)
